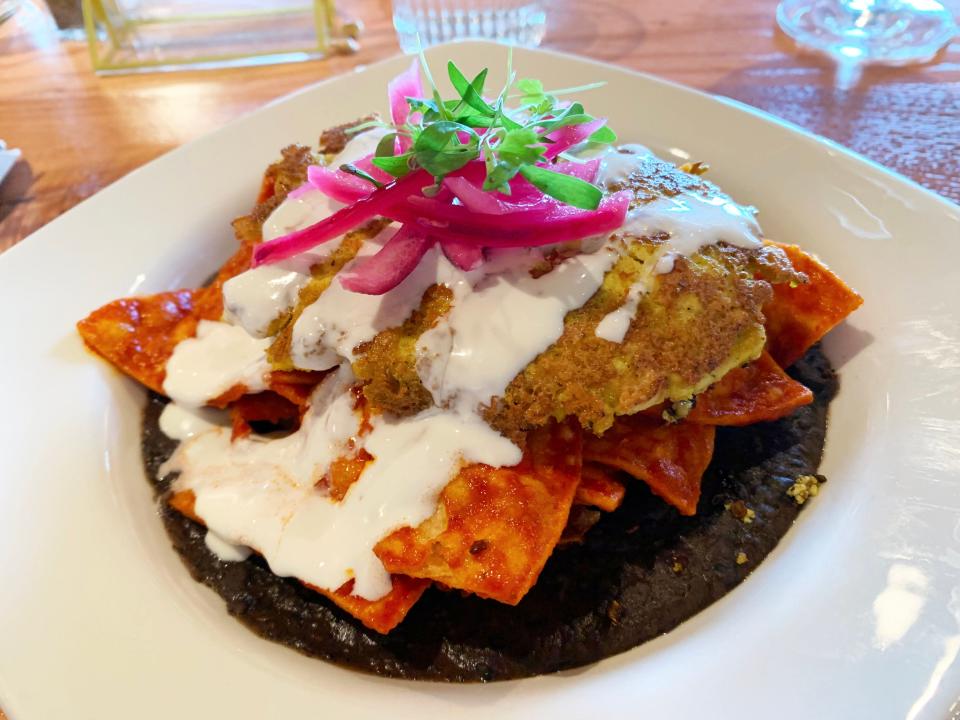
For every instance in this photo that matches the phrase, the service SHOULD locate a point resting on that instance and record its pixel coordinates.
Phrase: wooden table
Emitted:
(79, 132)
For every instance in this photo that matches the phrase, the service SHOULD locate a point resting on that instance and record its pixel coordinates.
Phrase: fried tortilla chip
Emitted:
(754, 393)
(295, 385)
(799, 315)
(671, 458)
(137, 335)
(599, 488)
(381, 615)
(495, 527)
(262, 407)
(384, 614)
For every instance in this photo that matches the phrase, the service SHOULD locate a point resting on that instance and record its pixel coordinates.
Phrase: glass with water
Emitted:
(421, 23)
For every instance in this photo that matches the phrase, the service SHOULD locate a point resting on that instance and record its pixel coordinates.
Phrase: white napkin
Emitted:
(8, 159)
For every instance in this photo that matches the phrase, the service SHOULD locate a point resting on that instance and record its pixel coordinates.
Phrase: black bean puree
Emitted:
(640, 572)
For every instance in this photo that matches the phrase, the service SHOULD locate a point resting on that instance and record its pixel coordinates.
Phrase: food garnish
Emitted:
(466, 173)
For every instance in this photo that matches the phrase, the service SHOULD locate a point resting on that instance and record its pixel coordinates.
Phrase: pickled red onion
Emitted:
(407, 84)
(392, 263)
(567, 137)
(343, 221)
(337, 184)
(465, 254)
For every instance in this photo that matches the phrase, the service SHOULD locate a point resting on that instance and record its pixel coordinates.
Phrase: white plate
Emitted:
(856, 614)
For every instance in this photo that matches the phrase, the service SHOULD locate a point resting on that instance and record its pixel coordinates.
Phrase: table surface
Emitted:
(79, 133)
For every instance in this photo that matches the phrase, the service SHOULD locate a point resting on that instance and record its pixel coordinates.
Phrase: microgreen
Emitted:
(442, 136)
(363, 175)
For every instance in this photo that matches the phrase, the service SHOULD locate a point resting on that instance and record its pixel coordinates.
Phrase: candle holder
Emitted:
(127, 36)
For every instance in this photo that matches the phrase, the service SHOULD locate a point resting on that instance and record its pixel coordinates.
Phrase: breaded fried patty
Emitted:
(692, 326)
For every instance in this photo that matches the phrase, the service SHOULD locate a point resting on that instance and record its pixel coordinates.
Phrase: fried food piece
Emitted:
(261, 407)
(599, 488)
(381, 615)
(694, 325)
(494, 528)
(137, 335)
(321, 275)
(281, 177)
(386, 363)
(295, 385)
(335, 139)
(755, 393)
(670, 458)
(800, 315)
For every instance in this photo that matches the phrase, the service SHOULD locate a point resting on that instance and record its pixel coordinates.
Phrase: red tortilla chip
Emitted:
(344, 472)
(137, 335)
(757, 392)
(384, 614)
(671, 459)
(265, 407)
(228, 397)
(295, 385)
(495, 527)
(797, 317)
(598, 487)
(381, 615)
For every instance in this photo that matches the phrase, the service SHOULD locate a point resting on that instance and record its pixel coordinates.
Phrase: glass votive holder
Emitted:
(127, 36)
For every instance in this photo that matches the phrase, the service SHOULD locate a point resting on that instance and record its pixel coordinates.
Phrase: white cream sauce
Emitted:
(301, 212)
(618, 163)
(268, 493)
(328, 331)
(255, 298)
(226, 551)
(692, 220)
(218, 358)
(181, 423)
(359, 146)
(614, 325)
(264, 493)
(695, 221)
(492, 333)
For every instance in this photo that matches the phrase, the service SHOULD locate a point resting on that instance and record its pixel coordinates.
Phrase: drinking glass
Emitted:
(421, 23)
(891, 32)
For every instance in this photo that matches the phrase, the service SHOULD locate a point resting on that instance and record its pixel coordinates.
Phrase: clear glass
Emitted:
(421, 23)
(858, 32)
(150, 35)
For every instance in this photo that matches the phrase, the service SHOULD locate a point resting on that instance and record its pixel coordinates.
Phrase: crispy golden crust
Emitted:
(321, 276)
(654, 178)
(386, 363)
(695, 324)
(336, 138)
